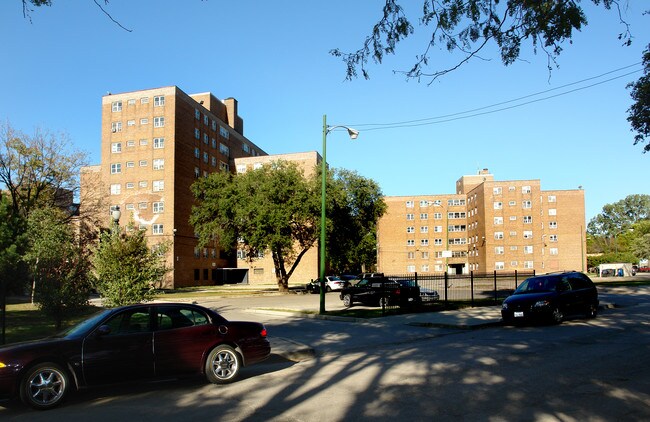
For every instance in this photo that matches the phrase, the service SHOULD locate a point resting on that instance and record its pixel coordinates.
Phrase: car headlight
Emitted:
(542, 304)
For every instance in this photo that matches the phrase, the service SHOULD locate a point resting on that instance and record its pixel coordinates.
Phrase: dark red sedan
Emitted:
(131, 343)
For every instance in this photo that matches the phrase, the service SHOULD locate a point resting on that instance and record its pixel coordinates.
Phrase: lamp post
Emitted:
(115, 216)
(353, 135)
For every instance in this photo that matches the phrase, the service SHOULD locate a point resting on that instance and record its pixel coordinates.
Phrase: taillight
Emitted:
(263, 332)
(397, 292)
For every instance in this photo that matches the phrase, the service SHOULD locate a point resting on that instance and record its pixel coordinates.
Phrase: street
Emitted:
(580, 370)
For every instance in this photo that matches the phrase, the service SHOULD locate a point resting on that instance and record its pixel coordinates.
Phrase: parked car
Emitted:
(332, 283)
(131, 343)
(551, 297)
(380, 291)
(426, 295)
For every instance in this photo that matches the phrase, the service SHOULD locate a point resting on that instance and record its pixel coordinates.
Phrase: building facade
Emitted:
(155, 143)
(485, 226)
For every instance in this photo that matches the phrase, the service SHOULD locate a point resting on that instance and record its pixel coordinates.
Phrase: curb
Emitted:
(291, 350)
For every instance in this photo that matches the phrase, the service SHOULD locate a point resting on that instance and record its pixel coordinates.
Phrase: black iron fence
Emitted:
(475, 288)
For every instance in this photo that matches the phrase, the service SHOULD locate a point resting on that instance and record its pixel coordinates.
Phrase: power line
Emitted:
(460, 115)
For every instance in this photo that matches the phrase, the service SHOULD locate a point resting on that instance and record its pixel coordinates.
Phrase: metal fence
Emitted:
(474, 287)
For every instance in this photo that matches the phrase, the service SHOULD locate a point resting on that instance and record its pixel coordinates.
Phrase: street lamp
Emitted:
(115, 216)
(353, 135)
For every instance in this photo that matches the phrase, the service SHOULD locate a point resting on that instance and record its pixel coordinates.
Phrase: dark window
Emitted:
(128, 322)
(197, 274)
(205, 274)
(580, 281)
(170, 317)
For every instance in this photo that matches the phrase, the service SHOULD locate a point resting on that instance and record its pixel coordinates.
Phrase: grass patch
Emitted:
(24, 321)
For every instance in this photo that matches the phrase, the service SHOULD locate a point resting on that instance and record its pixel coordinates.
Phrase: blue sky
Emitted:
(273, 57)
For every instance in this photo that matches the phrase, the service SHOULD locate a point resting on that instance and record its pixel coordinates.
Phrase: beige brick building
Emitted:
(155, 143)
(486, 225)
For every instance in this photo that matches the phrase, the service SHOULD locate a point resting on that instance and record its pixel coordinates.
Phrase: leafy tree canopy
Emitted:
(469, 27)
(639, 111)
(620, 216)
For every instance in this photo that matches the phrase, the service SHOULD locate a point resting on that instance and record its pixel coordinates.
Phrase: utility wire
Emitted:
(459, 115)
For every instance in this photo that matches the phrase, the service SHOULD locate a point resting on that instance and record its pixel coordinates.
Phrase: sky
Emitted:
(273, 57)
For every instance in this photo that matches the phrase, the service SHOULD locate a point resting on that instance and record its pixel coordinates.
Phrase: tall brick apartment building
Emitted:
(486, 225)
(155, 143)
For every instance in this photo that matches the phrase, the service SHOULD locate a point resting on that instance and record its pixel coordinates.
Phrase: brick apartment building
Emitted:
(486, 225)
(154, 144)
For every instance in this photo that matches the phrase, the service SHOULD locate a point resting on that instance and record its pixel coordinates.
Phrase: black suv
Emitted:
(380, 291)
(551, 297)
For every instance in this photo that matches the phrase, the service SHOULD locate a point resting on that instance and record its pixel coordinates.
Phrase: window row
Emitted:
(158, 101)
(117, 147)
(157, 164)
(157, 122)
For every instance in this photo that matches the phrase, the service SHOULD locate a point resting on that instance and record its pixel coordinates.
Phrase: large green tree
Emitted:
(620, 216)
(126, 269)
(639, 111)
(59, 264)
(354, 208)
(274, 208)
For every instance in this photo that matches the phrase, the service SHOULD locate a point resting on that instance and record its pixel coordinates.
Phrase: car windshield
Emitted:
(537, 284)
(83, 326)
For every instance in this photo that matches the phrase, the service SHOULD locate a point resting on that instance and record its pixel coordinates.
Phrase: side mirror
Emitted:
(103, 330)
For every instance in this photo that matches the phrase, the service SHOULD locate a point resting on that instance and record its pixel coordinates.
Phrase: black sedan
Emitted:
(551, 297)
(131, 343)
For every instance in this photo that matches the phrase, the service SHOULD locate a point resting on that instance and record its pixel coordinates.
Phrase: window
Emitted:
(552, 238)
(197, 114)
(116, 168)
(241, 168)
(512, 203)
(528, 219)
(424, 229)
(499, 265)
(410, 204)
(552, 211)
(158, 143)
(514, 248)
(157, 228)
(410, 216)
(158, 164)
(158, 185)
(425, 255)
(499, 250)
(552, 198)
(498, 235)
(143, 183)
(456, 215)
(144, 142)
(497, 190)
(130, 164)
(552, 224)
(225, 134)
(528, 234)
(143, 163)
(410, 268)
(245, 147)
(144, 121)
(130, 207)
(116, 106)
(116, 189)
(131, 102)
(206, 121)
(410, 229)
(454, 202)
(213, 142)
(528, 264)
(214, 125)
(437, 229)
(224, 150)
(116, 127)
(425, 268)
(158, 122)
(410, 242)
(437, 242)
(205, 157)
(457, 241)
(437, 216)
(498, 221)
(130, 185)
(424, 203)
(223, 166)
(528, 250)
(206, 138)
(116, 147)
(197, 152)
(498, 205)
(424, 216)
(513, 233)
(424, 242)
(130, 122)
(513, 218)
(526, 204)
(410, 255)
(525, 189)
(142, 205)
(158, 207)
(130, 143)
(197, 133)
(213, 161)
(144, 100)
(159, 101)
(553, 251)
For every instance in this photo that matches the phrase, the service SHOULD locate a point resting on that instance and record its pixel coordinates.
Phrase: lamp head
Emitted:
(353, 133)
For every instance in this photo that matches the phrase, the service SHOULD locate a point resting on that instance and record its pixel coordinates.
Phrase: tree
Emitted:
(470, 26)
(620, 216)
(60, 264)
(274, 208)
(354, 208)
(639, 112)
(126, 269)
(41, 170)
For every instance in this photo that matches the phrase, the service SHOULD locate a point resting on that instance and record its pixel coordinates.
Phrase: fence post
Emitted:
(496, 298)
(516, 280)
(446, 288)
(471, 282)
(416, 278)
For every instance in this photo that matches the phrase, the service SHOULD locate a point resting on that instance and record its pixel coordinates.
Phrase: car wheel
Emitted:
(328, 289)
(44, 386)
(592, 311)
(347, 300)
(223, 365)
(557, 316)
